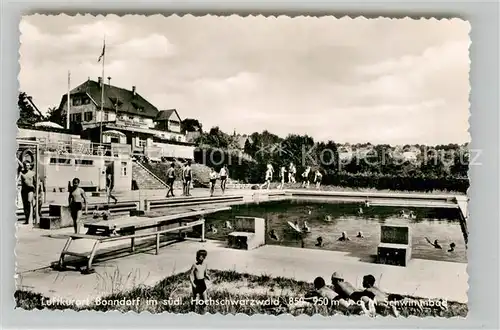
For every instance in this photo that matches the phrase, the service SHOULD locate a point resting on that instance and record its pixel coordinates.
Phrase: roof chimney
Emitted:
(109, 81)
(99, 81)
(133, 90)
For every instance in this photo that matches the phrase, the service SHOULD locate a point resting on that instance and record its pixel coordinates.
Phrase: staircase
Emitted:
(145, 179)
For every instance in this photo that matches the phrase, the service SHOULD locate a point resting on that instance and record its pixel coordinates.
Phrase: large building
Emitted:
(126, 118)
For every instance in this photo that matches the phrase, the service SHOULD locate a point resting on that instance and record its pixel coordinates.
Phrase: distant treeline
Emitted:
(442, 167)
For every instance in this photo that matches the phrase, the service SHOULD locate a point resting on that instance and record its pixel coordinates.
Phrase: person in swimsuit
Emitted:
(213, 180)
(268, 178)
(171, 180)
(223, 178)
(187, 178)
(41, 196)
(347, 296)
(321, 291)
(343, 237)
(435, 244)
(27, 177)
(198, 277)
(305, 177)
(77, 203)
(110, 186)
(291, 173)
(282, 177)
(317, 178)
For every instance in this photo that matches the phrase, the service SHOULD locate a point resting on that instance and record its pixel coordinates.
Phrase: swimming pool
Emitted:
(329, 219)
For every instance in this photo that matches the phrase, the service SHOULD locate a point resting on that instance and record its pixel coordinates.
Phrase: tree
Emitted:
(191, 125)
(55, 115)
(28, 114)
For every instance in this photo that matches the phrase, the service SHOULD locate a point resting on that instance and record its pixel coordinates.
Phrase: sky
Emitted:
(394, 81)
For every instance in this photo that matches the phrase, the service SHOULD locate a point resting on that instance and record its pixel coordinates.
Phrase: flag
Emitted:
(102, 54)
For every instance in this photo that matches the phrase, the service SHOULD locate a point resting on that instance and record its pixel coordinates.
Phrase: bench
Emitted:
(249, 233)
(89, 186)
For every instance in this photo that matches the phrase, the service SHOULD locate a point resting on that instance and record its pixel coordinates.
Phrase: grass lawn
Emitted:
(273, 296)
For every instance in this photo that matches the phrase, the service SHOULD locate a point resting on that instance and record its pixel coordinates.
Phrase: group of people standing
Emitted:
(290, 174)
(186, 177)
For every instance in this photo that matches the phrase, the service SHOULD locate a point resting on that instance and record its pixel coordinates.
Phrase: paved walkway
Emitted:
(423, 278)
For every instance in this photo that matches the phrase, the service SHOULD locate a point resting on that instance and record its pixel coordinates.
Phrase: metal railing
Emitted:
(84, 147)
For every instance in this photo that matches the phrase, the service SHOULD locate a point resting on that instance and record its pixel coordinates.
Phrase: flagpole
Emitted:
(102, 88)
(69, 100)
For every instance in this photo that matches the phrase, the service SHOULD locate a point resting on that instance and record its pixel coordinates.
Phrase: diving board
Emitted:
(129, 228)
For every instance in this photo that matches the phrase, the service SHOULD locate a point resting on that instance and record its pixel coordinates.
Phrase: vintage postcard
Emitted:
(255, 165)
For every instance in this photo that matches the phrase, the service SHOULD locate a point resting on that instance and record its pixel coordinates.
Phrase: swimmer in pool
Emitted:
(344, 237)
(435, 244)
(452, 247)
(360, 235)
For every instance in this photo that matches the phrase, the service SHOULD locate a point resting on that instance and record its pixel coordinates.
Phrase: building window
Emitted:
(141, 120)
(124, 168)
(77, 101)
(60, 161)
(142, 143)
(86, 162)
(78, 117)
(106, 116)
(88, 116)
(86, 100)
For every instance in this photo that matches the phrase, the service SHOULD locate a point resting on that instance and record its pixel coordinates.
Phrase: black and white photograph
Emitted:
(254, 165)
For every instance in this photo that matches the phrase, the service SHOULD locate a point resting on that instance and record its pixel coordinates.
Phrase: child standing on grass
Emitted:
(198, 275)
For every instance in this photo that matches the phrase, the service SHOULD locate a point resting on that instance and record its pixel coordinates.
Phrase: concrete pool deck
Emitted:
(35, 251)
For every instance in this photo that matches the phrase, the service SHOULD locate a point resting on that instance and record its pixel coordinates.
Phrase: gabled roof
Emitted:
(166, 114)
(115, 98)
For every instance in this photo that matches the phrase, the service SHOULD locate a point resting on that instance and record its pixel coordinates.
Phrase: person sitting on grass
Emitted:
(319, 242)
(187, 177)
(213, 180)
(268, 177)
(198, 276)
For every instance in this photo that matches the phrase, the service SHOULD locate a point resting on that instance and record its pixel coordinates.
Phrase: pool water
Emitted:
(329, 219)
